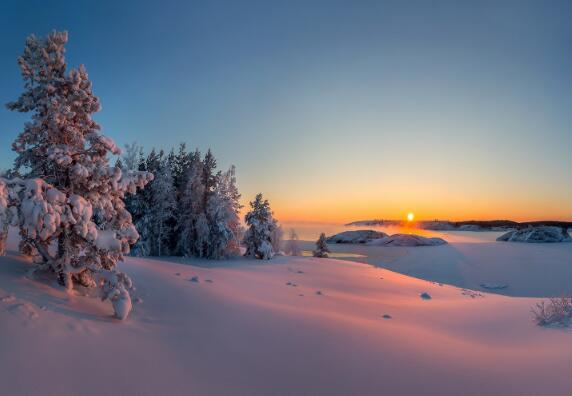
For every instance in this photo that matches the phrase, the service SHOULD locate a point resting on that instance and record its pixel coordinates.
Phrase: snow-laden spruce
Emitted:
(262, 232)
(321, 247)
(69, 206)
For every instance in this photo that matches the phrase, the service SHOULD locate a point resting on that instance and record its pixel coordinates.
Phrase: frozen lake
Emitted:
(469, 260)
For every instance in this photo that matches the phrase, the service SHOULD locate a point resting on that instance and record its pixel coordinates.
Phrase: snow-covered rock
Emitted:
(359, 236)
(407, 240)
(544, 234)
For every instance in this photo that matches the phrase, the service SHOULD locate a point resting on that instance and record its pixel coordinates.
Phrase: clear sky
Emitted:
(336, 110)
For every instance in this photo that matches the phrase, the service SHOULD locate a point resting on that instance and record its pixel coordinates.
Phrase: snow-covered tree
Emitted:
(130, 156)
(162, 211)
(181, 166)
(293, 244)
(321, 247)
(261, 229)
(223, 214)
(192, 237)
(70, 208)
(139, 207)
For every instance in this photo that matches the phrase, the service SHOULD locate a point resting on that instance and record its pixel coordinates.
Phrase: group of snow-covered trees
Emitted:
(78, 215)
(189, 209)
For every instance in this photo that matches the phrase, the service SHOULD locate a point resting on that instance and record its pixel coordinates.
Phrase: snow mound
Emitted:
(544, 234)
(407, 240)
(359, 236)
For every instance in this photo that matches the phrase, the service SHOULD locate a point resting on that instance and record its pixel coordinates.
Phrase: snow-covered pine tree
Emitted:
(223, 214)
(131, 155)
(261, 228)
(191, 208)
(70, 210)
(181, 166)
(139, 207)
(209, 177)
(163, 207)
(293, 244)
(321, 247)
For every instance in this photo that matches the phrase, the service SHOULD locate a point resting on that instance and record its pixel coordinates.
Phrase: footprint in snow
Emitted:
(319, 293)
(386, 316)
(300, 272)
(24, 309)
(177, 274)
(425, 296)
(300, 295)
(194, 279)
(209, 280)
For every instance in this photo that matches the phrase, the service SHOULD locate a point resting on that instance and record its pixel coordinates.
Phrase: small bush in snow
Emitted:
(293, 244)
(321, 247)
(556, 312)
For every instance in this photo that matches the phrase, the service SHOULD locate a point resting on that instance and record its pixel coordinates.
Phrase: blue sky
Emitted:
(337, 110)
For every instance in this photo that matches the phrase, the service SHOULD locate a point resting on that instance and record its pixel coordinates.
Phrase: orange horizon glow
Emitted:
(341, 212)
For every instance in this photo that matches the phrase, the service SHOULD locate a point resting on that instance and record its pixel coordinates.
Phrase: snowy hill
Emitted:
(281, 327)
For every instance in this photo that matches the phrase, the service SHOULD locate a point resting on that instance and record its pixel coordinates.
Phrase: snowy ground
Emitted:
(300, 326)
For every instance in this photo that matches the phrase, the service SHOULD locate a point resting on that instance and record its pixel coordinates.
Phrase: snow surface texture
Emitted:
(248, 333)
(359, 236)
(537, 235)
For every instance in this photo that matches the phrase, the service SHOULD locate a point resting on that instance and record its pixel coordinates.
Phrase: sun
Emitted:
(410, 216)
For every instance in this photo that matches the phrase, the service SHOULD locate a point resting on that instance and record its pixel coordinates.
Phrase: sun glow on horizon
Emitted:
(410, 216)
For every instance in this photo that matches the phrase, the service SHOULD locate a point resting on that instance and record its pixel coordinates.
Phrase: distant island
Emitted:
(468, 225)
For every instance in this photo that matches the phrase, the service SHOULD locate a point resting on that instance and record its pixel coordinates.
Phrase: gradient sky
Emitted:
(336, 110)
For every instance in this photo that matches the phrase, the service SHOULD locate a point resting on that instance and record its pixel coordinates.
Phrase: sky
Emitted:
(335, 110)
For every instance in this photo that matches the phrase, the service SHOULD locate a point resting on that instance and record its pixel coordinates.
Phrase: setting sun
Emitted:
(410, 216)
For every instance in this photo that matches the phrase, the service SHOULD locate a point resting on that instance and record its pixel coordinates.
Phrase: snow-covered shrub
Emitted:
(261, 230)
(69, 206)
(293, 244)
(557, 312)
(321, 247)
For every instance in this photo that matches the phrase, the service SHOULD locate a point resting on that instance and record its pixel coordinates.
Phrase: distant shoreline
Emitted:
(467, 225)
